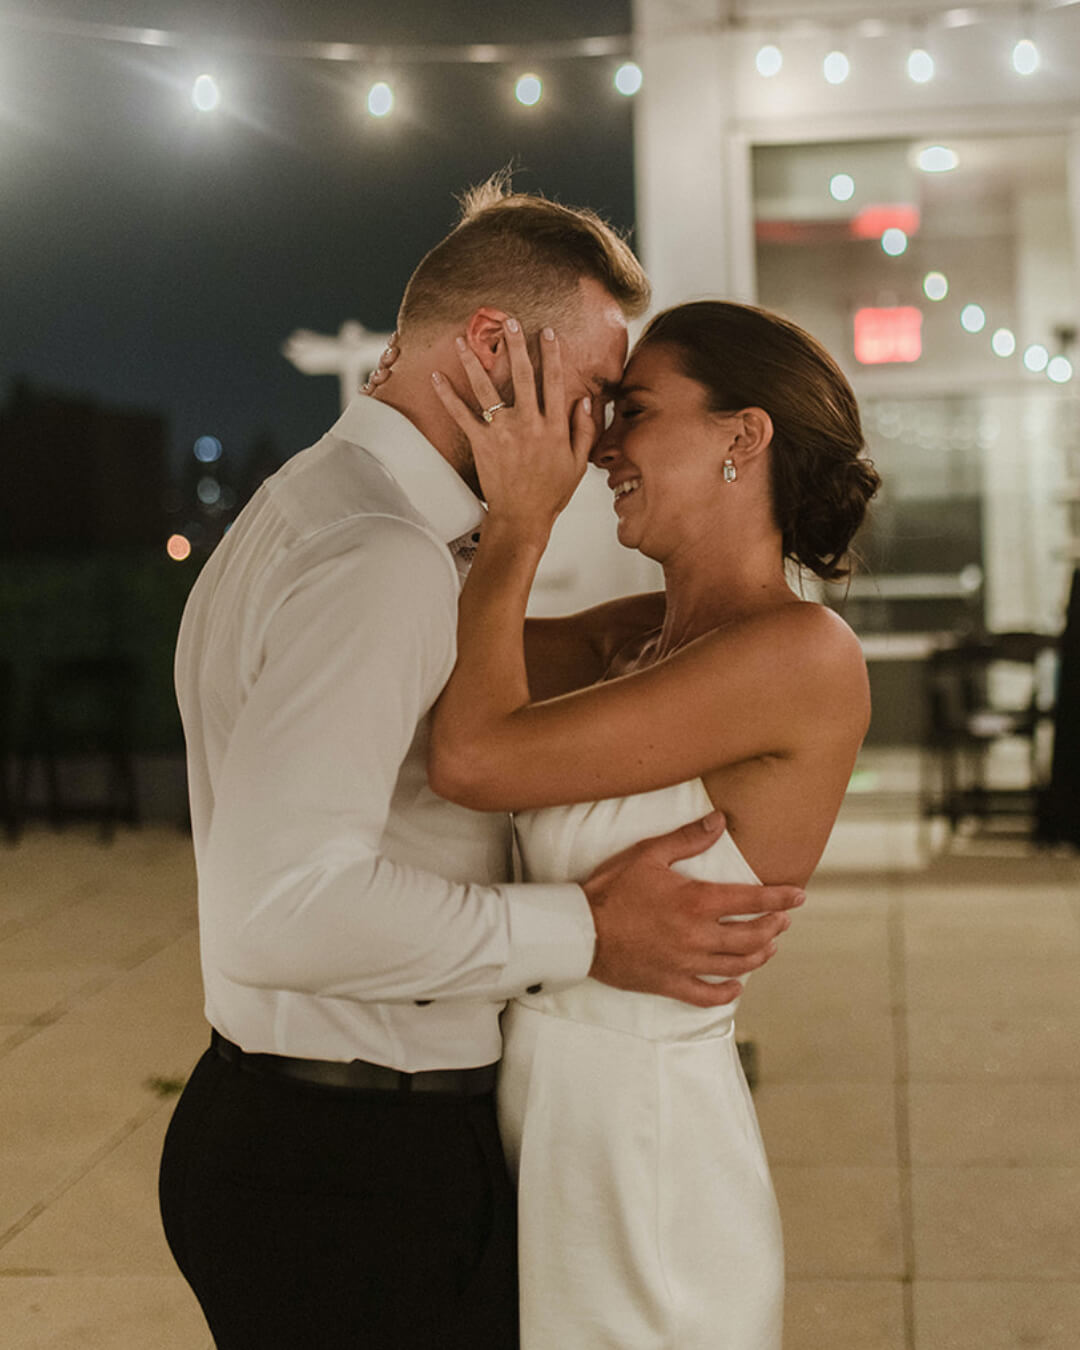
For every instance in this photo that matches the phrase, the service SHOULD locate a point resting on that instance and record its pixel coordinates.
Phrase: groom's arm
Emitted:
(575, 650)
(297, 893)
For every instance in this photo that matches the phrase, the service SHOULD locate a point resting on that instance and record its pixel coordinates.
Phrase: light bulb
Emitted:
(380, 99)
(628, 78)
(1025, 57)
(842, 187)
(973, 318)
(205, 94)
(529, 90)
(769, 60)
(920, 65)
(836, 67)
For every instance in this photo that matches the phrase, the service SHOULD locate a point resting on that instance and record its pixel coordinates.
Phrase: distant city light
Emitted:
(208, 491)
(529, 90)
(178, 547)
(973, 318)
(1003, 342)
(380, 99)
(1025, 57)
(938, 159)
(836, 67)
(207, 449)
(842, 187)
(1036, 358)
(769, 60)
(935, 285)
(205, 94)
(894, 242)
(920, 66)
(628, 78)
(1060, 369)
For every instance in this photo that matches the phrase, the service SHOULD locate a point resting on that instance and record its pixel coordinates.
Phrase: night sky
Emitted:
(155, 258)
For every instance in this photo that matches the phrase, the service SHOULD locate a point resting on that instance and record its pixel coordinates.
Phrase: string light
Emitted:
(920, 65)
(529, 90)
(1060, 369)
(178, 547)
(937, 159)
(205, 95)
(628, 78)
(1025, 57)
(380, 99)
(836, 67)
(1003, 342)
(842, 187)
(894, 242)
(1036, 358)
(973, 318)
(207, 449)
(935, 285)
(769, 60)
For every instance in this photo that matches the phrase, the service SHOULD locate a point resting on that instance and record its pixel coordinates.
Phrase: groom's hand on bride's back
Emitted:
(658, 931)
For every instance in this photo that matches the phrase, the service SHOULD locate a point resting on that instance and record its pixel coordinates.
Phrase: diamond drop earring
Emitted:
(729, 471)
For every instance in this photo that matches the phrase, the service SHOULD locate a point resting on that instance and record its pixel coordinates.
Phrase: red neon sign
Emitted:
(887, 335)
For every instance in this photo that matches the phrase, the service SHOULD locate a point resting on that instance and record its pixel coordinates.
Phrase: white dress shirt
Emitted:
(346, 911)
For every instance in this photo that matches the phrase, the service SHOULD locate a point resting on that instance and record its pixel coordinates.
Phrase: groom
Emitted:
(332, 1177)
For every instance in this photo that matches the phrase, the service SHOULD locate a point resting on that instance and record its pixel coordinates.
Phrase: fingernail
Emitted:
(459, 343)
(800, 898)
(711, 821)
(549, 334)
(513, 325)
(785, 922)
(772, 949)
(436, 378)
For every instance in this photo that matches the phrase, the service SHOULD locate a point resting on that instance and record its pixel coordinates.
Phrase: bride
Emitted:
(646, 1212)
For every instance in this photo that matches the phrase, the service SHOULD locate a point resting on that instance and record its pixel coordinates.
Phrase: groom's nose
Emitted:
(605, 451)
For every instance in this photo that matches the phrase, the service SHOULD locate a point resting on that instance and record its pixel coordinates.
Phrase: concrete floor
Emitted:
(919, 1044)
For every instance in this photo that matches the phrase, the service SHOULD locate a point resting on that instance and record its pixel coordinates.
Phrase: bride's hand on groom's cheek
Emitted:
(381, 373)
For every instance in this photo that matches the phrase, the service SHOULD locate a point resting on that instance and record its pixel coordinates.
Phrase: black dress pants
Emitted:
(310, 1218)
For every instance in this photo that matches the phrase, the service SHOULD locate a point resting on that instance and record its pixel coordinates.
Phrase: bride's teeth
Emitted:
(629, 486)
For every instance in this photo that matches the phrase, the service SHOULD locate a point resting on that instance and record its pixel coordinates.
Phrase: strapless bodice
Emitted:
(566, 843)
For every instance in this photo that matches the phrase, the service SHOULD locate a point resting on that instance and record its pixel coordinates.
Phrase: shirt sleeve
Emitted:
(296, 894)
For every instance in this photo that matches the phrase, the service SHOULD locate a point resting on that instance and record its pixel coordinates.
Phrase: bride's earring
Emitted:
(729, 470)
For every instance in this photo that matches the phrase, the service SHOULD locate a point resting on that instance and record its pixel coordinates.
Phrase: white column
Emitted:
(694, 211)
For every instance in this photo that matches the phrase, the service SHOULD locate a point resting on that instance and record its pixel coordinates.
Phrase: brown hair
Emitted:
(747, 357)
(524, 254)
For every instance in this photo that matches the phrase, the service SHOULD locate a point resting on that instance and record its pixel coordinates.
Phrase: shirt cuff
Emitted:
(552, 938)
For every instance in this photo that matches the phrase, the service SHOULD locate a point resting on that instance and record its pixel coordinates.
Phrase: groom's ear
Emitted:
(485, 336)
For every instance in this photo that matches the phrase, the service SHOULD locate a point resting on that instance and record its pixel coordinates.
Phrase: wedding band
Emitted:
(488, 414)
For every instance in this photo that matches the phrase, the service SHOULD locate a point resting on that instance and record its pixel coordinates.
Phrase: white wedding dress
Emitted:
(647, 1219)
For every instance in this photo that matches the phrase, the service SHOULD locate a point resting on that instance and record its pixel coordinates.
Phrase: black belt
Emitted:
(358, 1075)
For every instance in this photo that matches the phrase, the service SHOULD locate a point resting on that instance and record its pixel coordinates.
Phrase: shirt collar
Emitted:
(431, 484)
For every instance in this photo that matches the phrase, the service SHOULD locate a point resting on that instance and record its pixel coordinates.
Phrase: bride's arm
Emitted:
(575, 650)
(731, 696)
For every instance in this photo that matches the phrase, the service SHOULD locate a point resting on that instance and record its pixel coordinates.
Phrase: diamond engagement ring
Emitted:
(488, 414)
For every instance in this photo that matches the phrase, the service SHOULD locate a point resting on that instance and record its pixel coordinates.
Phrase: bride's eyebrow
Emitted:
(623, 390)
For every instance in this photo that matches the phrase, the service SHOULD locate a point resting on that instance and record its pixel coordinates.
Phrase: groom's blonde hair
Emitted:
(523, 254)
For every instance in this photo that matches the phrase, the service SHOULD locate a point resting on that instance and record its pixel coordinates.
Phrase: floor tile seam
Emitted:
(902, 1124)
(81, 1170)
(61, 907)
(90, 991)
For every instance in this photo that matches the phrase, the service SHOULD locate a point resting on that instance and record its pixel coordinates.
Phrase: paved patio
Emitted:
(919, 1043)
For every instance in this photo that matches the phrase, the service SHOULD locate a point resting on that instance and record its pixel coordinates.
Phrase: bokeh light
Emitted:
(628, 78)
(207, 449)
(836, 67)
(973, 318)
(178, 547)
(769, 60)
(1060, 369)
(1036, 358)
(529, 90)
(894, 242)
(205, 94)
(1003, 342)
(935, 285)
(208, 491)
(1025, 57)
(920, 66)
(842, 187)
(380, 99)
(938, 159)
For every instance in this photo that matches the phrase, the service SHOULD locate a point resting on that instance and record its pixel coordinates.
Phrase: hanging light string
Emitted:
(791, 22)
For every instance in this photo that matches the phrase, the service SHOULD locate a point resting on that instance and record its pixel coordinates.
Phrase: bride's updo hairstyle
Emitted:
(746, 357)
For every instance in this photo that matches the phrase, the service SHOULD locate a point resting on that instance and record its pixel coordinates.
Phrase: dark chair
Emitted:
(966, 715)
(8, 814)
(82, 711)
